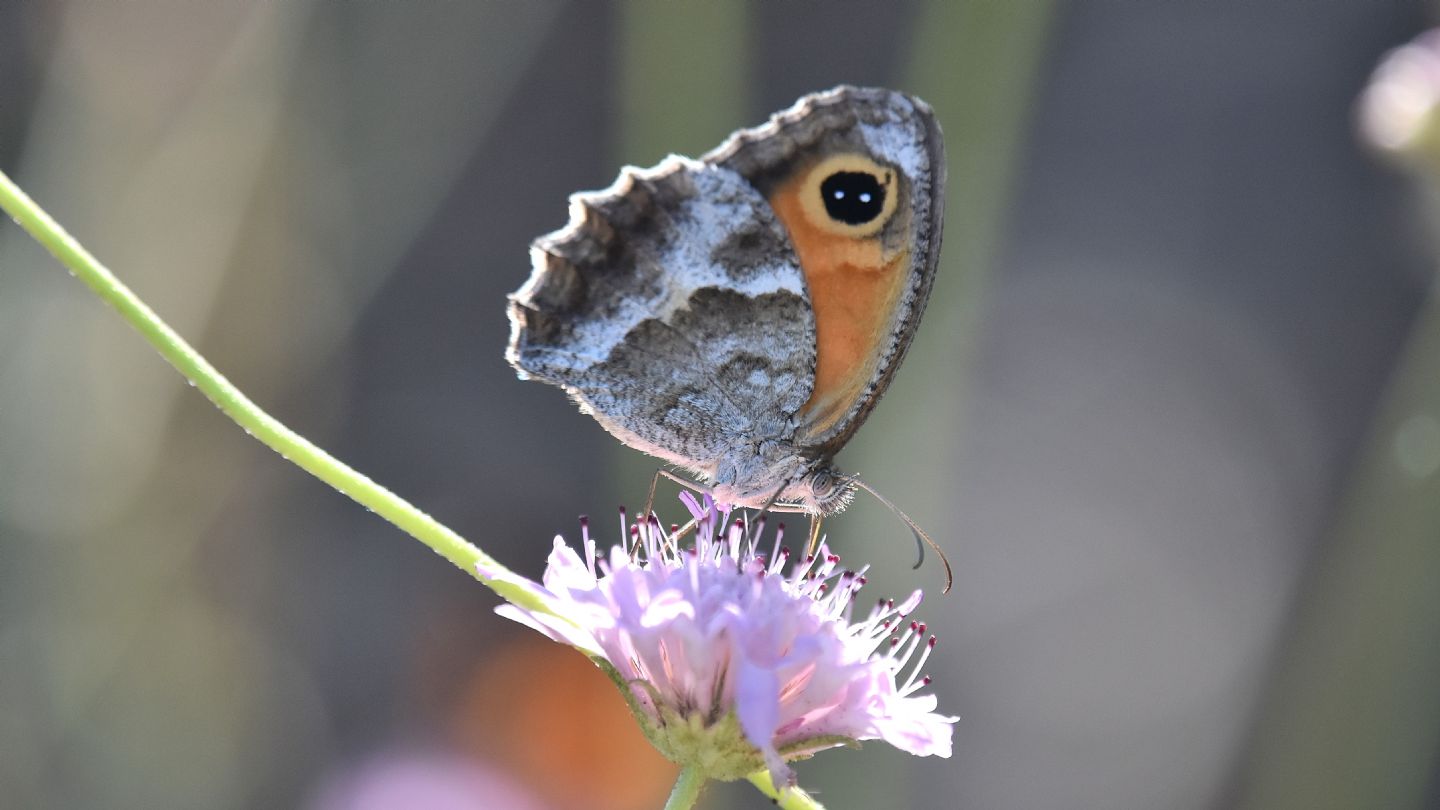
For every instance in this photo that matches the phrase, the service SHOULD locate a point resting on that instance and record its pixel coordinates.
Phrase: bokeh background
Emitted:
(1174, 411)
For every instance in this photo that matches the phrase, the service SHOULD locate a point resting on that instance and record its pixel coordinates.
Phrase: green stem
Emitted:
(687, 789)
(792, 799)
(247, 414)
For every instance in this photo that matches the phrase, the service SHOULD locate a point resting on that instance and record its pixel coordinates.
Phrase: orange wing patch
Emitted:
(837, 212)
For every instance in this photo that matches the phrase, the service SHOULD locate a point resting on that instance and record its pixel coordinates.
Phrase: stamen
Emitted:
(781, 559)
(588, 543)
(728, 545)
(908, 606)
(910, 685)
(913, 641)
(799, 572)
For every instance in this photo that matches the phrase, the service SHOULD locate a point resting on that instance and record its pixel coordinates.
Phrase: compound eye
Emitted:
(849, 195)
(822, 484)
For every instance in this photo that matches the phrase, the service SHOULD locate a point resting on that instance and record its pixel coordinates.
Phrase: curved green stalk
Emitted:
(247, 414)
(792, 799)
(687, 789)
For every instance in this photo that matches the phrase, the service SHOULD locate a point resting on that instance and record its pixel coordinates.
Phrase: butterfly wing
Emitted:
(673, 310)
(857, 177)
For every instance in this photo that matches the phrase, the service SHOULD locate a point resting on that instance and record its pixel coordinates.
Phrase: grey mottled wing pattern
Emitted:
(673, 310)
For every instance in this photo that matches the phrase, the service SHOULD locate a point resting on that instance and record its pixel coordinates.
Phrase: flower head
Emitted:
(734, 658)
(1400, 108)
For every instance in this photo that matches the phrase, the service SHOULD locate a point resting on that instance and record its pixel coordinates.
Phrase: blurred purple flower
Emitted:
(732, 663)
(433, 781)
(1397, 111)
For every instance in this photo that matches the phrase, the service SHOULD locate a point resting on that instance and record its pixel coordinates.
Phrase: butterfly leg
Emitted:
(678, 534)
(655, 483)
(681, 480)
(788, 508)
(650, 499)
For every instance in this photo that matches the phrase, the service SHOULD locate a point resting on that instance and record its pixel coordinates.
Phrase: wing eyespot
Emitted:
(853, 198)
(849, 195)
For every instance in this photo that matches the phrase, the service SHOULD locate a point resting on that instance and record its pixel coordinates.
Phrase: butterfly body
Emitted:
(739, 315)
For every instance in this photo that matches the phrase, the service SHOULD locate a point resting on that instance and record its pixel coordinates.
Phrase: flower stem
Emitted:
(792, 799)
(687, 789)
(238, 407)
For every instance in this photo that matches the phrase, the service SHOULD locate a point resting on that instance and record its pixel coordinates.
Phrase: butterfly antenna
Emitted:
(921, 538)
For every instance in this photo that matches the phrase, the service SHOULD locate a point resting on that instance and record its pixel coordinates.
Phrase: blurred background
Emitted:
(1174, 411)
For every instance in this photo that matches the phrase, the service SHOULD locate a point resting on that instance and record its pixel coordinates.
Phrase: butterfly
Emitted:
(740, 315)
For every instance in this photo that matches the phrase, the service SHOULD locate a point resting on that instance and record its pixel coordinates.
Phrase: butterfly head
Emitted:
(825, 490)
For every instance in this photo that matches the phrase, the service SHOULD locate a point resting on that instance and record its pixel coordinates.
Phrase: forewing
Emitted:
(868, 278)
(672, 309)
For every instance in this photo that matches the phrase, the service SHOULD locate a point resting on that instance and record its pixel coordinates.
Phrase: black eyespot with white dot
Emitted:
(853, 198)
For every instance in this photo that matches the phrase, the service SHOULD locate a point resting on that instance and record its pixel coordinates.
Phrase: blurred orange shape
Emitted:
(546, 715)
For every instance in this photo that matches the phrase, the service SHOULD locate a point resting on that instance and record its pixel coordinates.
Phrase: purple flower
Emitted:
(432, 780)
(734, 659)
(1398, 111)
